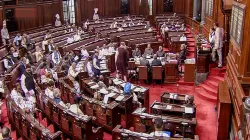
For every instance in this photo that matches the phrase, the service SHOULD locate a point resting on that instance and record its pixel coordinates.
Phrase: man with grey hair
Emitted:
(156, 62)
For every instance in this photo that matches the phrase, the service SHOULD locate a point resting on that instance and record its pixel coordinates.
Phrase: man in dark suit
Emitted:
(144, 61)
(156, 62)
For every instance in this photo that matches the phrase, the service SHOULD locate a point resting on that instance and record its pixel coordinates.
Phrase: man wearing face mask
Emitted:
(28, 82)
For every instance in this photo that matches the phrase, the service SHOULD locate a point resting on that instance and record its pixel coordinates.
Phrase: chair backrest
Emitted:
(157, 72)
(143, 73)
(131, 65)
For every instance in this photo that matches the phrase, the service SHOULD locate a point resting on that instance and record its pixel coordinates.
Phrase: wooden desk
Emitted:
(202, 65)
(166, 97)
(119, 133)
(26, 125)
(224, 111)
(189, 73)
(107, 115)
(159, 108)
(73, 125)
(171, 73)
(175, 44)
(184, 127)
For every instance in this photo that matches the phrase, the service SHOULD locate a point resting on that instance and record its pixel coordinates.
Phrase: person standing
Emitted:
(218, 44)
(5, 33)
(121, 60)
(211, 37)
(58, 21)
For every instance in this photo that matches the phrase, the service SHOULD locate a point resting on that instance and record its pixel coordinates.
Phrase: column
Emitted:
(194, 9)
(203, 12)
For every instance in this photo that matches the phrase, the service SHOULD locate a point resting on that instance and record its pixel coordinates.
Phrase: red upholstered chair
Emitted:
(157, 73)
(143, 73)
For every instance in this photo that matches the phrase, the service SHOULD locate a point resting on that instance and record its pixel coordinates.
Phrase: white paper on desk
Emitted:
(132, 86)
(111, 94)
(123, 84)
(89, 83)
(169, 107)
(118, 82)
(119, 98)
(115, 80)
(175, 96)
(104, 91)
(171, 95)
(143, 89)
(106, 98)
(94, 86)
(103, 71)
(137, 89)
(189, 110)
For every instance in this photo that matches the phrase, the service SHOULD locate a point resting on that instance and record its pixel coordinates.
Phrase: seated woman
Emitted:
(148, 50)
(136, 52)
(160, 52)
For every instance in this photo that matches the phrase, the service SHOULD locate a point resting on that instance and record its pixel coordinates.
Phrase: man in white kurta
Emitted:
(218, 44)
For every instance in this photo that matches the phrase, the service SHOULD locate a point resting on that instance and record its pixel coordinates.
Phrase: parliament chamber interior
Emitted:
(124, 70)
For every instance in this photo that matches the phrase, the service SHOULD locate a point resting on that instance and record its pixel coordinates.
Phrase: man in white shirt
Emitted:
(56, 57)
(84, 53)
(158, 123)
(70, 40)
(72, 73)
(17, 39)
(58, 22)
(5, 33)
(77, 37)
(218, 44)
(86, 24)
(49, 91)
(96, 16)
(89, 68)
(183, 38)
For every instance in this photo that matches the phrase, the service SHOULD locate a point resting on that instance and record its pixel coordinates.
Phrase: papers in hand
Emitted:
(119, 98)
(189, 110)
(94, 86)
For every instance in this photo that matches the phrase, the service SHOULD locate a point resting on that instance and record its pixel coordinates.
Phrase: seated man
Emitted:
(75, 107)
(89, 68)
(189, 100)
(131, 23)
(177, 25)
(183, 38)
(160, 52)
(139, 23)
(16, 92)
(70, 40)
(156, 62)
(148, 50)
(144, 61)
(14, 54)
(17, 39)
(72, 73)
(158, 124)
(8, 62)
(136, 52)
(77, 36)
(120, 28)
(49, 91)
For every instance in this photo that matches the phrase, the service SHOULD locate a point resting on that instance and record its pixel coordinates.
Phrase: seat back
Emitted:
(157, 72)
(131, 65)
(143, 73)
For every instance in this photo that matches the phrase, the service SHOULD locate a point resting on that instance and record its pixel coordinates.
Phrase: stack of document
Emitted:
(119, 98)
(189, 110)
(169, 107)
(104, 91)
(94, 86)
